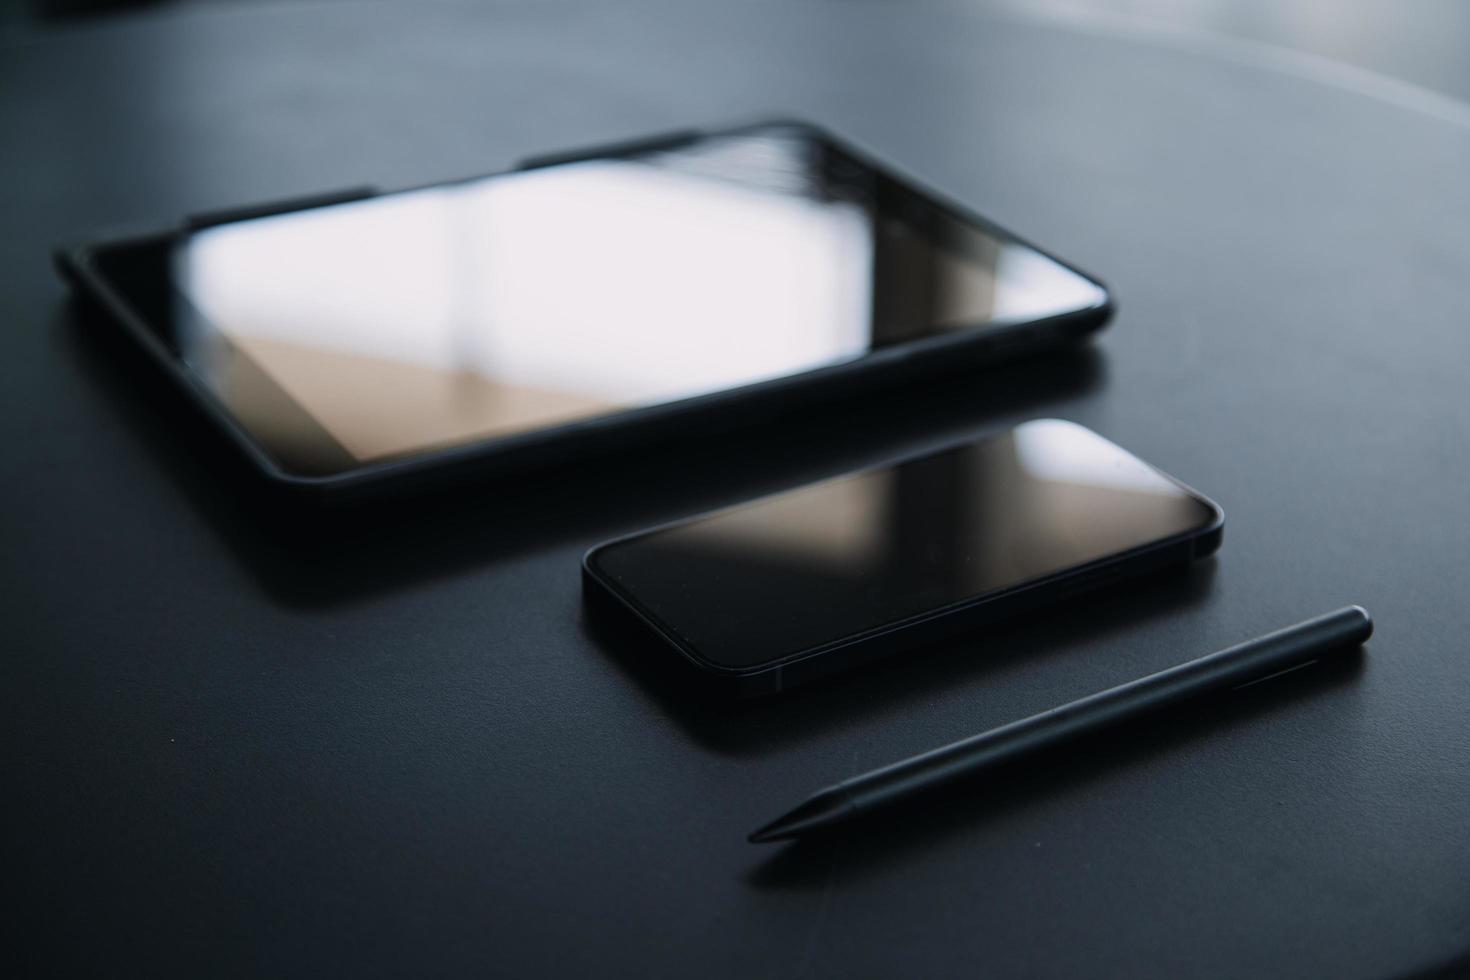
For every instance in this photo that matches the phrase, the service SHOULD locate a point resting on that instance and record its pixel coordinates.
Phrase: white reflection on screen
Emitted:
(1053, 451)
(1032, 286)
(498, 305)
(533, 299)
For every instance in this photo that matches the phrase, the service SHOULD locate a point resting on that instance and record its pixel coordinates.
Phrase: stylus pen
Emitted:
(1256, 660)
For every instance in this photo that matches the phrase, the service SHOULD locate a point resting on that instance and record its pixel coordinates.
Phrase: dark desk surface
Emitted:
(226, 752)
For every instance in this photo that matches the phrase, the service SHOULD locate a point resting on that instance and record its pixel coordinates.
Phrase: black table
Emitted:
(231, 751)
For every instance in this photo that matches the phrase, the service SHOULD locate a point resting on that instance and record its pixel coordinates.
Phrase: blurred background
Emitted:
(1424, 43)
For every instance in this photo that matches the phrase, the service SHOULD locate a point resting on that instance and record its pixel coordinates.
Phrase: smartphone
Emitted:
(370, 342)
(762, 597)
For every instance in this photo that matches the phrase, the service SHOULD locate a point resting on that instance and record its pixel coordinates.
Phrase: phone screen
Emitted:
(377, 329)
(816, 565)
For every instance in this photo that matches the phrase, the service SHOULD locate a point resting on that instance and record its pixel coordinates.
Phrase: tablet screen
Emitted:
(383, 328)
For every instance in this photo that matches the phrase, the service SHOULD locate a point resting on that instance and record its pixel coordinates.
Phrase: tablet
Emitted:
(374, 341)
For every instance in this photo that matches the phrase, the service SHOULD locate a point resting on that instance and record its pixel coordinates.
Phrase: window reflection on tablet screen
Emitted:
(442, 316)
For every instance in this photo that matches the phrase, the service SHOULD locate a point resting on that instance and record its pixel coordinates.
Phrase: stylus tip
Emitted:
(823, 810)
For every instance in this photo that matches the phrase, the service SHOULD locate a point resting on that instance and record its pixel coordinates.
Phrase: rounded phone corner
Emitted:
(590, 571)
(1208, 541)
(624, 628)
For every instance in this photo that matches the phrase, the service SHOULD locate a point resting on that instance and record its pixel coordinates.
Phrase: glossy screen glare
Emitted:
(809, 567)
(437, 317)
